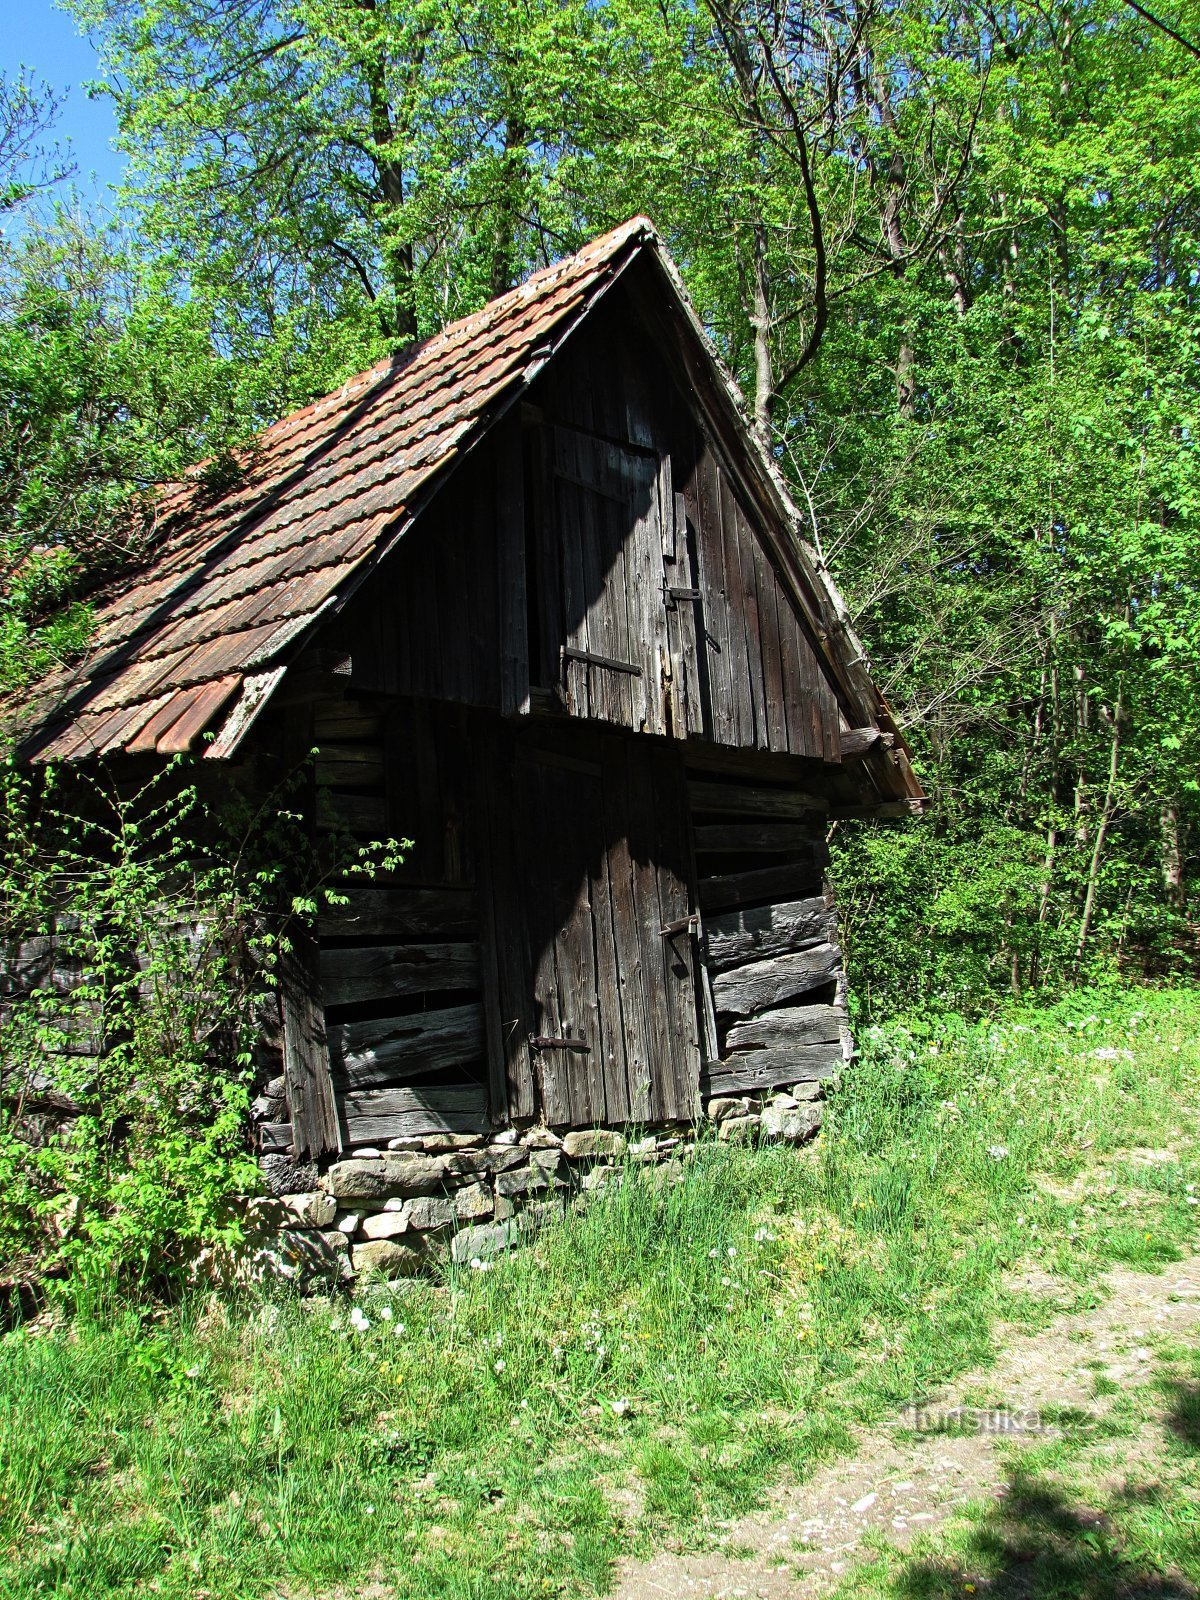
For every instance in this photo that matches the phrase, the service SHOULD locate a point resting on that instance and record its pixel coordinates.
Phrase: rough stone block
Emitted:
(315, 1209)
(793, 1126)
(389, 1257)
(595, 1142)
(523, 1181)
(738, 1130)
(398, 1174)
(385, 1224)
(430, 1213)
(301, 1257)
(495, 1158)
(722, 1107)
(472, 1201)
(598, 1177)
(541, 1139)
(283, 1175)
(441, 1143)
(484, 1243)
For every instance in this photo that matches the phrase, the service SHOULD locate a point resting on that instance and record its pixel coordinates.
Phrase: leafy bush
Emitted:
(125, 1070)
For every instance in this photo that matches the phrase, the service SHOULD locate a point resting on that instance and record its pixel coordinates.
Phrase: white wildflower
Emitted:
(358, 1320)
(997, 1151)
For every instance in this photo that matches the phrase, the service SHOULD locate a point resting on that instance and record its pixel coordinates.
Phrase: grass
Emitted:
(648, 1368)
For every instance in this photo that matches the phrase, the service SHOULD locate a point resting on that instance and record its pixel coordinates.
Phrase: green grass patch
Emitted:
(647, 1368)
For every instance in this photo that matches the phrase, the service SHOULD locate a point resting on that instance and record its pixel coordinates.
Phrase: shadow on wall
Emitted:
(1038, 1546)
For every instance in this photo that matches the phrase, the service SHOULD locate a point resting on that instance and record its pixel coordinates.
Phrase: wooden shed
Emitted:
(542, 602)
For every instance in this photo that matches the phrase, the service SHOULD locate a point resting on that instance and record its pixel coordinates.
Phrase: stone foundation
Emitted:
(396, 1211)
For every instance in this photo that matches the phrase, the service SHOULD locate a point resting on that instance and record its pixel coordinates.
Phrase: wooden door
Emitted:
(615, 585)
(597, 1002)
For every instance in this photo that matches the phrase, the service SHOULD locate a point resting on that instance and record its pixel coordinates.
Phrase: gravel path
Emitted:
(897, 1485)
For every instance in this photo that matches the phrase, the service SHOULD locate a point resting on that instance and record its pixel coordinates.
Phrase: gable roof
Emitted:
(205, 626)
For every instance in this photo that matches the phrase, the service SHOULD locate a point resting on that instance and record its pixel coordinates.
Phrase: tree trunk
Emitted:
(389, 188)
(1174, 855)
(1106, 815)
(764, 370)
(512, 183)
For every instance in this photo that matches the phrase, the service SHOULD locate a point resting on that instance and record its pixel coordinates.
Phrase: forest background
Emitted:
(949, 248)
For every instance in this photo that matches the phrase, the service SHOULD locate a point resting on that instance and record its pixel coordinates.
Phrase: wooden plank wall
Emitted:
(399, 964)
(773, 973)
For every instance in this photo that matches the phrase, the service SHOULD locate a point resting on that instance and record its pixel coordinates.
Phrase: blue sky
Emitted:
(37, 35)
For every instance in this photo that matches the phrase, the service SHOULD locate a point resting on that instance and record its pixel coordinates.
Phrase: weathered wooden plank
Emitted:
(735, 937)
(608, 992)
(711, 579)
(788, 881)
(743, 800)
(308, 1083)
(687, 715)
(765, 838)
(350, 766)
(761, 985)
(752, 625)
(373, 1116)
(382, 1049)
(627, 941)
(354, 974)
(345, 720)
(768, 612)
(364, 815)
(497, 807)
(739, 660)
(769, 1069)
(787, 1028)
(672, 857)
(856, 742)
(510, 533)
(372, 912)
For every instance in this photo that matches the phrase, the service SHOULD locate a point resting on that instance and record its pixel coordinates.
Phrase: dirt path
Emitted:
(899, 1484)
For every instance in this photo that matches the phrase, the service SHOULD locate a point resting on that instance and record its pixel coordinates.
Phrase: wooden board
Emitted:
(758, 1070)
(382, 1050)
(735, 937)
(787, 1028)
(744, 800)
(308, 1083)
(400, 913)
(763, 884)
(763, 985)
(356, 974)
(755, 838)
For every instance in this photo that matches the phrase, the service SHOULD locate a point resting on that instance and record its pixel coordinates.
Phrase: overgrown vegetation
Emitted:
(647, 1366)
(144, 934)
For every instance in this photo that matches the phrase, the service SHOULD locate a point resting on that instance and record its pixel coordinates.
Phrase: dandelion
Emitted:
(997, 1151)
(731, 1252)
(386, 1313)
(498, 1366)
(358, 1320)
